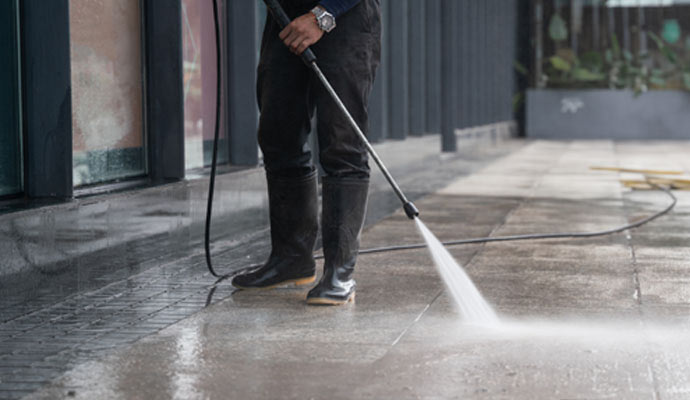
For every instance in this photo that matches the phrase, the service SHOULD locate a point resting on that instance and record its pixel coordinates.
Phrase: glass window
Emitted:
(107, 116)
(10, 132)
(199, 54)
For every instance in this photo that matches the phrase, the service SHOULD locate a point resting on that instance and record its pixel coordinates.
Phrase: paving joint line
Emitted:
(157, 277)
(638, 293)
(85, 296)
(498, 226)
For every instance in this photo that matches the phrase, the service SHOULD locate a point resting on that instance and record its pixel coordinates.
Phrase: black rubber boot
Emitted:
(293, 208)
(344, 208)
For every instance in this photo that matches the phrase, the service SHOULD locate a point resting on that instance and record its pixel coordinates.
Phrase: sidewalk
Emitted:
(100, 273)
(584, 319)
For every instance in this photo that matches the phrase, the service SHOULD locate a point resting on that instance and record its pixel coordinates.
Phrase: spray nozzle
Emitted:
(410, 210)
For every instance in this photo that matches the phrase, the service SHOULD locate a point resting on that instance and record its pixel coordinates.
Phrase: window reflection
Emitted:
(10, 143)
(105, 47)
(199, 54)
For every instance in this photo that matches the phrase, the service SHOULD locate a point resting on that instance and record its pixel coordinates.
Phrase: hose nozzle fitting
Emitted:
(410, 210)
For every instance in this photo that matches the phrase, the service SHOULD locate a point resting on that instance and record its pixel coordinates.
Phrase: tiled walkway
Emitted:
(60, 317)
(584, 319)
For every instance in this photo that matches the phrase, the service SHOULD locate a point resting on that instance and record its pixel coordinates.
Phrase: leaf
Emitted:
(592, 60)
(518, 99)
(567, 54)
(520, 68)
(627, 55)
(608, 55)
(670, 55)
(671, 31)
(582, 74)
(558, 30)
(656, 72)
(656, 39)
(665, 50)
(615, 46)
(644, 56)
(658, 81)
(686, 80)
(560, 64)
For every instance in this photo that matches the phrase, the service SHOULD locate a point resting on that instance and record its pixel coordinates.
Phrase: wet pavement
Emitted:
(82, 278)
(583, 319)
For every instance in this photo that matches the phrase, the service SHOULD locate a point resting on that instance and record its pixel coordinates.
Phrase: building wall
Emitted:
(447, 70)
(10, 145)
(446, 65)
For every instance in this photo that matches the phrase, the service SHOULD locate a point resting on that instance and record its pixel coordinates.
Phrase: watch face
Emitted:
(327, 21)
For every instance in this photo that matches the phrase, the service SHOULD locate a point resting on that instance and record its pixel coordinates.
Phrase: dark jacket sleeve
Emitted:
(338, 7)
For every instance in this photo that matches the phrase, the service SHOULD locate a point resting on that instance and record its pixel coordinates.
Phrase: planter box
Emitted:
(607, 114)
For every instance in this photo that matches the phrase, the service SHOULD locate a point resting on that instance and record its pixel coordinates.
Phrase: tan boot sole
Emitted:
(296, 282)
(321, 301)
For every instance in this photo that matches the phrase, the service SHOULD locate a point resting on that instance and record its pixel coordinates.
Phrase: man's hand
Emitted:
(301, 33)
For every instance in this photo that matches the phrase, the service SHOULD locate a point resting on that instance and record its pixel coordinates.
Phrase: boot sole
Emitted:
(323, 301)
(296, 282)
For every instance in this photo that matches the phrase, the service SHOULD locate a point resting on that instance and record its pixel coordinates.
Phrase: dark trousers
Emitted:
(289, 93)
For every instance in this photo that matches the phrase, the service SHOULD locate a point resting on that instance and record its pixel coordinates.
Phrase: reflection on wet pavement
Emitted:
(82, 279)
(594, 319)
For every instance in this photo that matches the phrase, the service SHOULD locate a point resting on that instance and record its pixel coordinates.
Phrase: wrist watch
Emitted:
(325, 19)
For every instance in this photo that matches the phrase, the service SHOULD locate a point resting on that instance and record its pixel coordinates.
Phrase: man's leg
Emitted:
(349, 56)
(286, 108)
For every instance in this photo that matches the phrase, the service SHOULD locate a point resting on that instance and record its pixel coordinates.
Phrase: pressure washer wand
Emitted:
(408, 206)
(309, 59)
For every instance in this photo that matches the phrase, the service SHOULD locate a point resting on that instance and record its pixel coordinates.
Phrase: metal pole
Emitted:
(449, 77)
(410, 209)
(309, 59)
(398, 64)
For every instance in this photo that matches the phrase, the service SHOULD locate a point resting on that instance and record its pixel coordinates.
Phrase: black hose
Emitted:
(536, 236)
(216, 134)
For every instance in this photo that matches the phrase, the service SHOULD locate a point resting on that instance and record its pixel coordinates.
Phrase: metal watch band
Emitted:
(321, 15)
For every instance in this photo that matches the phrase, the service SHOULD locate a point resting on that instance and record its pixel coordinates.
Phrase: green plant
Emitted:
(677, 69)
(566, 69)
(628, 71)
(618, 68)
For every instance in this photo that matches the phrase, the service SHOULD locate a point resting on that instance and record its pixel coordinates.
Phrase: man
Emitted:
(346, 36)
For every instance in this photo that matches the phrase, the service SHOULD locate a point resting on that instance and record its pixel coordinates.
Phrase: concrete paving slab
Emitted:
(596, 318)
